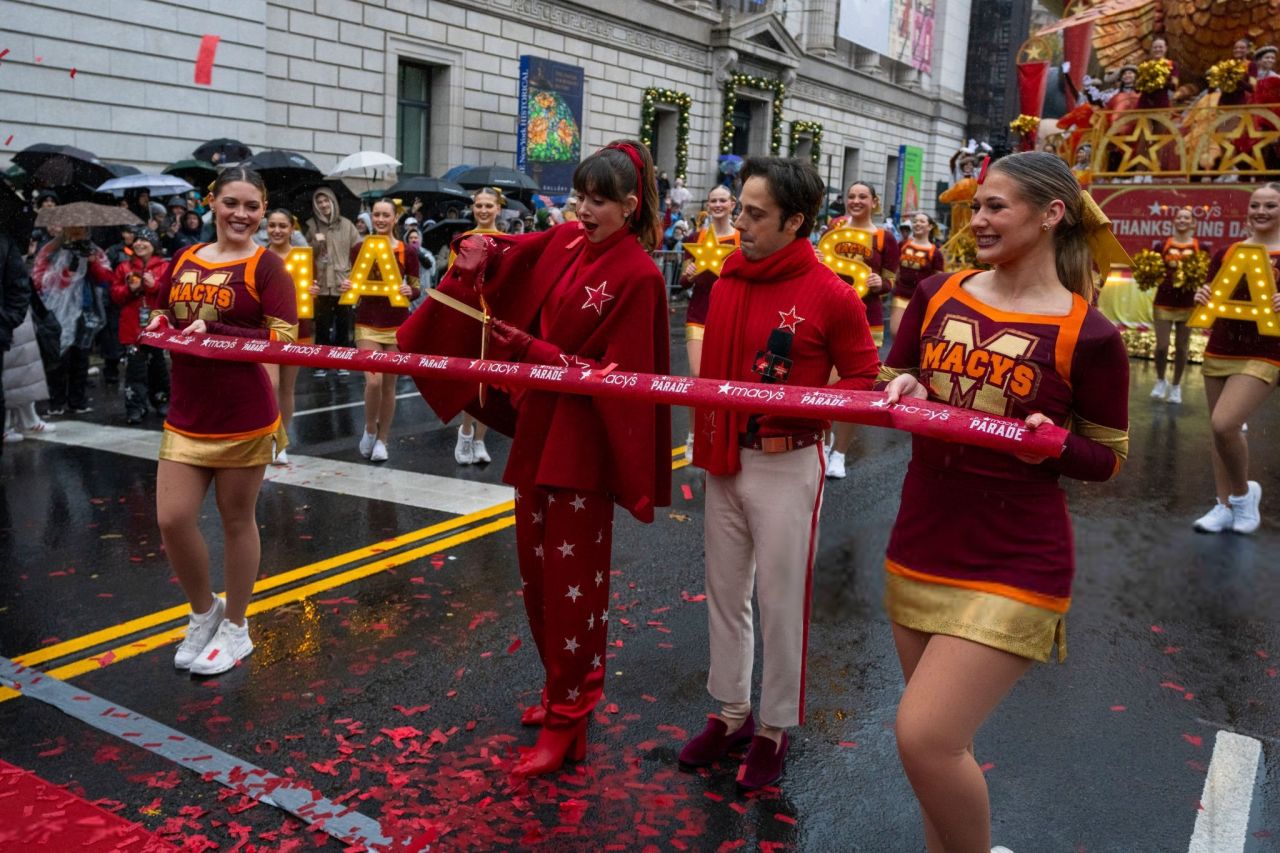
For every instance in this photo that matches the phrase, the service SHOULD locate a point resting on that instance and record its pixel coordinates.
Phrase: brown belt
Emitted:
(778, 443)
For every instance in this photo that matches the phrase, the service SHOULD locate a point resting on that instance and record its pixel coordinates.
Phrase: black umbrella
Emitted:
(16, 216)
(284, 171)
(62, 166)
(519, 207)
(121, 170)
(443, 232)
(423, 187)
(198, 173)
(501, 177)
(223, 151)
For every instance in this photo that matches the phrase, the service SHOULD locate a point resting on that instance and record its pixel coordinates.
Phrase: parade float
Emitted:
(1218, 135)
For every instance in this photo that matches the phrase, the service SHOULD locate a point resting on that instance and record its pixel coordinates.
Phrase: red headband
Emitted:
(634, 157)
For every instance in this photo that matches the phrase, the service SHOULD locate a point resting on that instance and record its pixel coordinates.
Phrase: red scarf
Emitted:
(725, 347)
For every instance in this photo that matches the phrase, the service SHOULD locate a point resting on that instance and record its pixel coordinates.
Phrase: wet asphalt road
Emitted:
(398, 692)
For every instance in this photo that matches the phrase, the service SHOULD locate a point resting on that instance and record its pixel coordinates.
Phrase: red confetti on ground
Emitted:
(514, 647)
(1262, 653)
(1156, 629)
(1172, 650)
(785, 818)
(848, 744)
(738, 807)
(692, 599)
(686, 491)
(1169, 685)
(990, 765)
(107, 659)
(1194, 740)
(1118, 708)
(38, 815)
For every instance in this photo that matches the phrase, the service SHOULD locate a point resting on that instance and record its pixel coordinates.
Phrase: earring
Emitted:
(1044, 226)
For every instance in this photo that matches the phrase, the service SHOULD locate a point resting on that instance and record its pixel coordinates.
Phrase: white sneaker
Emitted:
(464, 452)
(200, 630)
(1160, 391)
(688, 449)
(1215, 520)
(479, 453)
(320, 373)
(229, 646)
(12, 436)
(1245, 516)
(1000, 848)
(835, 465)
(366, 444)
(282, 458)
(378, 453)
(1175, 393)
(40, 427)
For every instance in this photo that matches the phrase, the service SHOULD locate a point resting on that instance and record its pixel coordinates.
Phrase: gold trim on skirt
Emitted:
(1221, 368)
(223, 452)
(386, 337)
(694, 331)
(983, 617)
(877, 336)
(900, 303)
(1172, 315)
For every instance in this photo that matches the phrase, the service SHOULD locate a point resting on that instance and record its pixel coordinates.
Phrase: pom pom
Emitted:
(1227, 75)
(1025, 124)
(1192, 271)
(1154, 75)
(1148, 269)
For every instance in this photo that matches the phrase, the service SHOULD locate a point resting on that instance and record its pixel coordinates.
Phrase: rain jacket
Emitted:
(332, 239)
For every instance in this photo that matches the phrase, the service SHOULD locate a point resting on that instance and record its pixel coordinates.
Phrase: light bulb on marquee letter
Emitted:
(301, 268)
(375, 253)
(1250, 262)
(840, 253)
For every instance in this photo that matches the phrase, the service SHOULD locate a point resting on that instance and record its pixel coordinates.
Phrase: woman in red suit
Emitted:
(584, 295)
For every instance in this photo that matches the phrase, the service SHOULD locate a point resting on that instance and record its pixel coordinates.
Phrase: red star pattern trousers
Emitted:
(563, 541)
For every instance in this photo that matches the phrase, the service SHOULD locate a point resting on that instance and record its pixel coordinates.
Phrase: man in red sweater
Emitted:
(777, 315)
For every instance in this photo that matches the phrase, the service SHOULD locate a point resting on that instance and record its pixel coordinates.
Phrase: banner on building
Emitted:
(900, 29)
(910, 177)
(549, 134)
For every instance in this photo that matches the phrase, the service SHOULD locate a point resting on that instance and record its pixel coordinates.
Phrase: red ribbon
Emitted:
(921, 417)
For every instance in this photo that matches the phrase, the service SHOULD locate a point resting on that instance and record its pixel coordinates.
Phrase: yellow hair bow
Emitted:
(1106, 249)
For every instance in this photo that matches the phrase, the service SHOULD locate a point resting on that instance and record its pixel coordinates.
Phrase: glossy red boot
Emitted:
(554, 747)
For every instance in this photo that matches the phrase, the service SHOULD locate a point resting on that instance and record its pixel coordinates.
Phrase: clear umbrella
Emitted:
(366, 170)
(155, 184)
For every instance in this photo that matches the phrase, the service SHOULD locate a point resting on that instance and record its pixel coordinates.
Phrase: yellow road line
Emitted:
(151, 620)
(155, 641)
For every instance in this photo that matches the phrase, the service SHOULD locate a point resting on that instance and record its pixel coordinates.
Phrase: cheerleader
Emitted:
(284, 377)
(223, 420)
(919, 258)
(980, 560)
(377, 321)
(485, 205)
(1240, 370)
(720, 204)
(1160, 100)
(1244, 91)
(860, 202)
(1173, 306)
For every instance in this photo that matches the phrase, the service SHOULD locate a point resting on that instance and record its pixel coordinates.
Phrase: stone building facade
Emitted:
(435, 82)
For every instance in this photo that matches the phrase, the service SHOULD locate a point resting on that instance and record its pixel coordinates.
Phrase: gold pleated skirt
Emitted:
(1173, 315)
(982, 617)
(386, 337)
(1221, 368)
(223, 452)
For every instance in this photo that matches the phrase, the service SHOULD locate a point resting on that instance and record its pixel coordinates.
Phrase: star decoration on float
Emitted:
(566, 550)
(597, 297)
(578, 502)
(571, 644)
(574, 593)
(1142, 146)
(789, 320)
(708, 252)
(1248, 147)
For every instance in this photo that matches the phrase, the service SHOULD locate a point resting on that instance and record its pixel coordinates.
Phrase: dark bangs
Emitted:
(602, 175)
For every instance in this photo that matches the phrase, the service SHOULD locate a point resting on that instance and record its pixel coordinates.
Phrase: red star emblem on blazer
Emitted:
(790, 319)
(596, 297)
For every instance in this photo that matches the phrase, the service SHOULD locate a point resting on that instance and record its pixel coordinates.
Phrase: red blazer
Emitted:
(586, 304)
(130, 303)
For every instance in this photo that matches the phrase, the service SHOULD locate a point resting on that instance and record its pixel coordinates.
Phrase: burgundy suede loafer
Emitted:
(764, 762)
(713, 744)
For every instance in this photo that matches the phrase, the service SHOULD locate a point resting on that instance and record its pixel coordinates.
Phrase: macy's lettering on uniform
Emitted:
(987, 375)
(193, 297)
